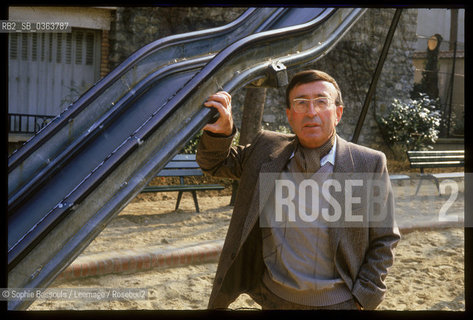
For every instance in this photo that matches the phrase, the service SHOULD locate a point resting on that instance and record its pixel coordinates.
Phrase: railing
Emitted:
(27, 123)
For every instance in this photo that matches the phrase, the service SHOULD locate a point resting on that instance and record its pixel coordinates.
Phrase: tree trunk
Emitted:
(252, 114)
(251, 122)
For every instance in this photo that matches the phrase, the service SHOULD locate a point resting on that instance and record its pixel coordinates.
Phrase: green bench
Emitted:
(182, 165)
(436, 159)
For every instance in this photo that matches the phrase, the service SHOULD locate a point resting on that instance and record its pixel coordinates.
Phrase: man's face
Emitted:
(314, 128)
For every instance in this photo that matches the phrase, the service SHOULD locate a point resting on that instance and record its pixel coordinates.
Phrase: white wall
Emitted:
(79, 17)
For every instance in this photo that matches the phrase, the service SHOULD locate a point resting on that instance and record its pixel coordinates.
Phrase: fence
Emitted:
(27, 123)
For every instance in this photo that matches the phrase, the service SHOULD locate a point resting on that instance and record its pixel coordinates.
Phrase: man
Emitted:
(306, 266)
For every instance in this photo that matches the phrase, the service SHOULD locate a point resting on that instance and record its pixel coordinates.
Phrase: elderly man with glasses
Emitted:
(309, 263)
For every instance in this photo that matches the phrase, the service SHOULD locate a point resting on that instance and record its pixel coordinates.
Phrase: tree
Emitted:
(429, 82)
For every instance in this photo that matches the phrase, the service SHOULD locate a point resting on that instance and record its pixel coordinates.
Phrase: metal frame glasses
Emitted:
(301, 105)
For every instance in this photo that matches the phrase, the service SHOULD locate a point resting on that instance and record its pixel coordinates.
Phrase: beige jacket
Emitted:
(362, 255)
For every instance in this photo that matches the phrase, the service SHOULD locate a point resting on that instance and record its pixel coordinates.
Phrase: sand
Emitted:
(428, 273)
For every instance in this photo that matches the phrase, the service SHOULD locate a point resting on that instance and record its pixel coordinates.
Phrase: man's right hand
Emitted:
(222, 102)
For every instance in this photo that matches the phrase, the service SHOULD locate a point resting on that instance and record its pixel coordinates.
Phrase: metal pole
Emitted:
(374, 80)
(452, 82)
(453, 46)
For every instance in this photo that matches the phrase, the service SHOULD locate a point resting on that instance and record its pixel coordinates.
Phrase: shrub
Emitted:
(191, 145)
(411, 125)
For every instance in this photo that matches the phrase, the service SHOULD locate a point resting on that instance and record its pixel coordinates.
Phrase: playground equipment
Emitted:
(75, 175)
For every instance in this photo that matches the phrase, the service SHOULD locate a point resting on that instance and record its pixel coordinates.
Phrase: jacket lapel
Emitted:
(343, 157)
(343, 163)
(277, 160)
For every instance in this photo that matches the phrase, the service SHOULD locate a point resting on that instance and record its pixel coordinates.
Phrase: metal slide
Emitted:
(44, 156)
(84, 183)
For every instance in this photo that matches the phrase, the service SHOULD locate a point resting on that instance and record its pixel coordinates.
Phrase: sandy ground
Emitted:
(428, 273)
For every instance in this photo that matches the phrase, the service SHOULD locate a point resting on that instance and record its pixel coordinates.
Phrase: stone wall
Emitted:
(134, 27)
(352, 62)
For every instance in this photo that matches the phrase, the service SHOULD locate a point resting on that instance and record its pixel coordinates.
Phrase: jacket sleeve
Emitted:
(369, 287)
(217, 157)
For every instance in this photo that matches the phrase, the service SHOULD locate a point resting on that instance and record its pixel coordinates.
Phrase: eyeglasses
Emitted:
(301, 105)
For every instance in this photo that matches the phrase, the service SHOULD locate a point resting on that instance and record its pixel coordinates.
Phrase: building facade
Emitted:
(48, 71)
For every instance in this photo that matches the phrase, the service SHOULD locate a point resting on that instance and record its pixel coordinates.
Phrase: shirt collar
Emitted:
(330, 156)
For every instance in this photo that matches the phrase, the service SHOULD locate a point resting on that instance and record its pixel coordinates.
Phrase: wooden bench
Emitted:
(182, 165)
(436, 159)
